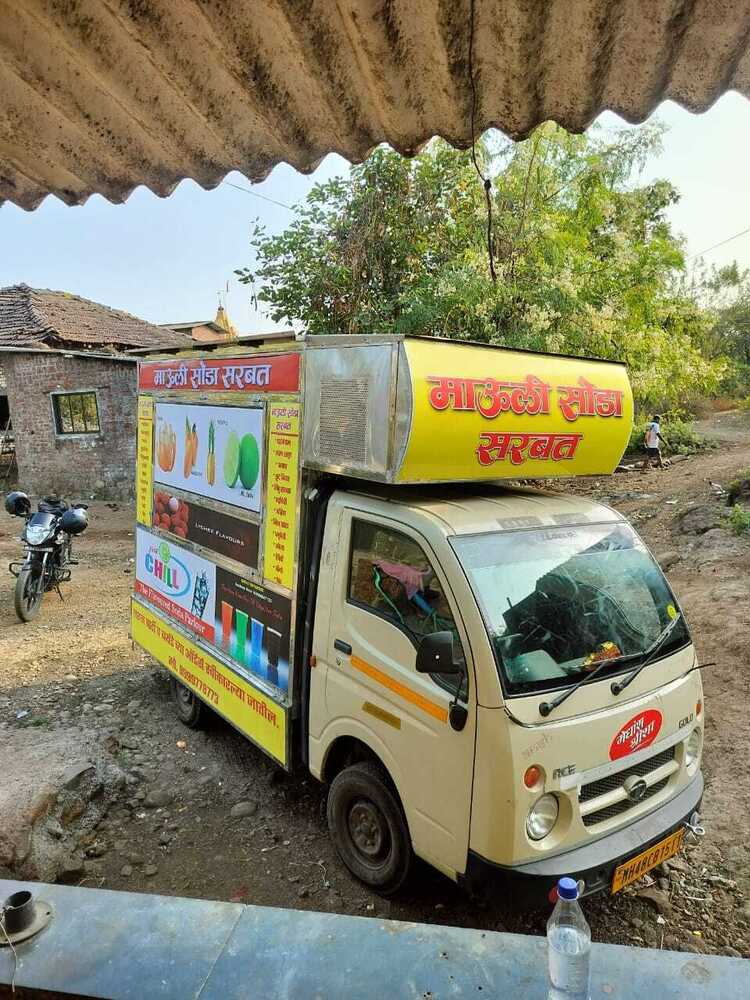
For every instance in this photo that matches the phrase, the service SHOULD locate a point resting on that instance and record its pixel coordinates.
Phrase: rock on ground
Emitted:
(715, 546)
(50, 796)
(242, 809)
(157, 798)
(698, 518)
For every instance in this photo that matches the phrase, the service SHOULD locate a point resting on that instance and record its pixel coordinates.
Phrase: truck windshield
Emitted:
(556, 601)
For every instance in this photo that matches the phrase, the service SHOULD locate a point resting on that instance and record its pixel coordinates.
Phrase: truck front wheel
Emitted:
(368, 827)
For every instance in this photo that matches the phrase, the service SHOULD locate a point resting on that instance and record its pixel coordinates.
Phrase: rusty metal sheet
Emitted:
(101, 97)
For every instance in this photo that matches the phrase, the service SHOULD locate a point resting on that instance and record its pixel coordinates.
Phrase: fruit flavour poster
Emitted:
(215, 530)
(253, 626)
(212, 451)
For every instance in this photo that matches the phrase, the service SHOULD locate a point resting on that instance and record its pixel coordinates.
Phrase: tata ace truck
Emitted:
(338, 551)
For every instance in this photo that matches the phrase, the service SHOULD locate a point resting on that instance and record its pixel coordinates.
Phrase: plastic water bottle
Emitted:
(568, 945)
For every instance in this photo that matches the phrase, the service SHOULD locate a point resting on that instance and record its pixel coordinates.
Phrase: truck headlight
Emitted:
(542, 817)
(693, 746)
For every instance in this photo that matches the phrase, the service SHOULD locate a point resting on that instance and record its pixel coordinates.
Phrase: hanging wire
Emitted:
(721, 244)
(256, 194)
(486, 182)
(12, 948)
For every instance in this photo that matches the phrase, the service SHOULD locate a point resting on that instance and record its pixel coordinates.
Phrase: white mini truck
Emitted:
(495, 679)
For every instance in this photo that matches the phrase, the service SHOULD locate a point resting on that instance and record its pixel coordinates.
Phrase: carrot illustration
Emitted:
(211, 460)
(187, 463)
(194, 454)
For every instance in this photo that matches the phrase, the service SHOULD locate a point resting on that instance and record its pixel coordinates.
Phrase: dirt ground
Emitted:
(72, 682)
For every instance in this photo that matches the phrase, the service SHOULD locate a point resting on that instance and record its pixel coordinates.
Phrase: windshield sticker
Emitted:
(637, 733)
(672, 611)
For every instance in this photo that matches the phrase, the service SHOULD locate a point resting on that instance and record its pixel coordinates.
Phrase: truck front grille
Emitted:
(611, 792)
(609, 812)
(613, 781)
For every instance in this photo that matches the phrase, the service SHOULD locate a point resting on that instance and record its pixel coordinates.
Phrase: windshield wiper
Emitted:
(547, 706)
(649, 654)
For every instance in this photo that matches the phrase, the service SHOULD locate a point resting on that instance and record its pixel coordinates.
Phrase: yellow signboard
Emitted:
(242, 704)
(144, 470)
(489, 413)
(281, 502)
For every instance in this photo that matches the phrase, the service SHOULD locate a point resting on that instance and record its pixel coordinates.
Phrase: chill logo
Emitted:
(166, 572)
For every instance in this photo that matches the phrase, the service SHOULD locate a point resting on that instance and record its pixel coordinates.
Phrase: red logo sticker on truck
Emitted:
(637, 733)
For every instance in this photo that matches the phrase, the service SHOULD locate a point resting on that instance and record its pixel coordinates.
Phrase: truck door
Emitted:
(389, 591)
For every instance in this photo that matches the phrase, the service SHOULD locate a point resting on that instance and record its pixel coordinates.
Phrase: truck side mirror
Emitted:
(435, 654)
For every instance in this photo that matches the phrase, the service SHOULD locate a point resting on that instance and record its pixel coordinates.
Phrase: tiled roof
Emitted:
(102, 97)
(38, 317)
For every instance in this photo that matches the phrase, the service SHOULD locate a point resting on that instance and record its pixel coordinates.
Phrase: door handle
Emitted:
(342, 647)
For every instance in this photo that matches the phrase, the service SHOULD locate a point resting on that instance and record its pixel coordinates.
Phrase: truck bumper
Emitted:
(593, 863)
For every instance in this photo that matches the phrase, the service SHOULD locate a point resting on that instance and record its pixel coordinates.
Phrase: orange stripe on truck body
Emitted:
(430, 707)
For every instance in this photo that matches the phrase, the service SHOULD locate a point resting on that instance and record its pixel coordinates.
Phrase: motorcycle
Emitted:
(48, 543)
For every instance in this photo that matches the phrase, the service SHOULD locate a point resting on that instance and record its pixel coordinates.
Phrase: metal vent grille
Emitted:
(609, 812)
(596, 788)
(344, 406)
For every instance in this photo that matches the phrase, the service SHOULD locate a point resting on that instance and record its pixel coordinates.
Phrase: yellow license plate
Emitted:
(644, 862)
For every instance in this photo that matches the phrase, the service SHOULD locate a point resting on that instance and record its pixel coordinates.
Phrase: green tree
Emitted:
(723, 293)
(586, 261)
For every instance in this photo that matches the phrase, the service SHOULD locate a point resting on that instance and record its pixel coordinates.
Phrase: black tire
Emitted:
(368, 827)
(190, 709)
(29, 593)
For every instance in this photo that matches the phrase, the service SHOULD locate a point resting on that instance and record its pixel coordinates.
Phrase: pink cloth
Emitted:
(411, 578)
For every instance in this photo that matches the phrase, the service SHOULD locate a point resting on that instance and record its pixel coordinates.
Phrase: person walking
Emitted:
(652, 439)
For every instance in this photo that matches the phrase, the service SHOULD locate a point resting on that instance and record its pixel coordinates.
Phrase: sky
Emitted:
(167, 259)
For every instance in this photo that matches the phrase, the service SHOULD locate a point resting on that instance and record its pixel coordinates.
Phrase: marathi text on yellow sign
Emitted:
(253, 713)
(281, 503)
(486, 413)
(144, 470)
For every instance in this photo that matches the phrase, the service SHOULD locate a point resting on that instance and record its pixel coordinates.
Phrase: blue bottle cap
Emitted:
(567, 888)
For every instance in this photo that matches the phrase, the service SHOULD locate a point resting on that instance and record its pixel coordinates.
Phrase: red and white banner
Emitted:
(253, 373)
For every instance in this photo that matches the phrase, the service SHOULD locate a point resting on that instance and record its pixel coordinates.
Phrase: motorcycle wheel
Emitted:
(29, 593)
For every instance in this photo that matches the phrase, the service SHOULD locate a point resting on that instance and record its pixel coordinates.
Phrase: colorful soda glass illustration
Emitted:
(273, 641)
(226, 623)
(240, 636)
(256, 644)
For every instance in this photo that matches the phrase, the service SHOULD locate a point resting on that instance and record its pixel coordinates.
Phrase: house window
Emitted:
(76, 412)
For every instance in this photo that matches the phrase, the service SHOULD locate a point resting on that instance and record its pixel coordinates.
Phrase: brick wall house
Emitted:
(62, 455)
(71, 390)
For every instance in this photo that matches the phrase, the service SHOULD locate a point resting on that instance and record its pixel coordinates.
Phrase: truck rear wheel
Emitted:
(190, 709)
(368, 827)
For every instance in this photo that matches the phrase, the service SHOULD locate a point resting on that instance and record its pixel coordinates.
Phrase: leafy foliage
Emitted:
(586, 261)
(680, 437)
(739, 520)
(724, 293)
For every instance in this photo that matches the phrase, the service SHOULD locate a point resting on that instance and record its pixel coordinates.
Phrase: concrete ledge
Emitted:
(129, 945)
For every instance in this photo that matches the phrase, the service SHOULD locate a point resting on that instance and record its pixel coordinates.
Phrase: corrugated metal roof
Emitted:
(101, 97)
(40, 317)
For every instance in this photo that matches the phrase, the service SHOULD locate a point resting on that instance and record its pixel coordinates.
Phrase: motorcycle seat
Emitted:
(52, 505)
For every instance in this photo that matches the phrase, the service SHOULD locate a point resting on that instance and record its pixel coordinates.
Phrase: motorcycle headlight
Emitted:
(36, 534)
(542, 817)
(693, 746)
